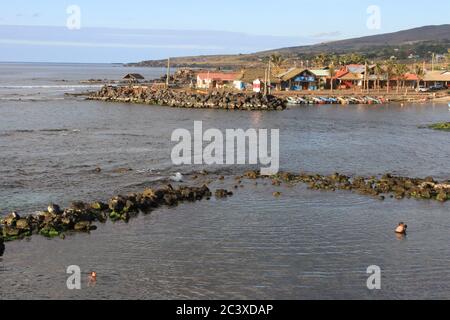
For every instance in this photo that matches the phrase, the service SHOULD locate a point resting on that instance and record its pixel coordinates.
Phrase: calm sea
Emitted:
(304, 245)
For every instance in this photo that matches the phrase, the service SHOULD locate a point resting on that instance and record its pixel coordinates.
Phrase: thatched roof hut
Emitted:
(250, 75)
(133, 77)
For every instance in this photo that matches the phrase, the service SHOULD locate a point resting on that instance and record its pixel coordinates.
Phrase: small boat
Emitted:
(310, 101)
(302, 101)
(292, 100)
(334, 100)
(342, 100)
(373, 100)
(356, 101)
(318, 100)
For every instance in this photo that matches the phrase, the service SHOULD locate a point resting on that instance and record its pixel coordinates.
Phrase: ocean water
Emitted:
(303, 245)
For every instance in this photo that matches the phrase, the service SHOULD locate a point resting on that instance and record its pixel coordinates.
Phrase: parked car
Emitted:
(437, 87)
(422, 89)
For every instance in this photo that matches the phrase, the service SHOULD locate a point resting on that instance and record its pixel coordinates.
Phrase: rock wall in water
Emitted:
(187, 99)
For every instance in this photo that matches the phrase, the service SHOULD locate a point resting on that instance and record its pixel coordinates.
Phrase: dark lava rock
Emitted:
(222, 193)
(2, 245)
(54, 209)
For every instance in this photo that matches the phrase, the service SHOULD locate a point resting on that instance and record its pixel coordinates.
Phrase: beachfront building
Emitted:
(216, 80)
(323, 77)
(350, 76)
(407, 81)
(297, 79)
(254, 79)
(433, 78)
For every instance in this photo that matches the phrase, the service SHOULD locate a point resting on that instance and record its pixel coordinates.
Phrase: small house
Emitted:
(249, 77)
(215, 80)
(323, 77)
(298, 79)
(354, 75)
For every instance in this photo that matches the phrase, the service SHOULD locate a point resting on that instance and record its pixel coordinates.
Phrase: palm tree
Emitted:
(277, 60)
(332, 71)
(344, 59)
(335, 60)
(448, 58)
(390, 72)
(400, 71)
(378, 72)
(420, 73)
(321, 60)
(357, 58)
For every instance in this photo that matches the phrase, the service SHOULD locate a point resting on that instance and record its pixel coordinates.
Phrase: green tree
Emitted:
(379, 70)
(332, 71)
(277, 60)
(448, 58)
(420, 72)
(400, 72)
(321, 60)
(390, 68)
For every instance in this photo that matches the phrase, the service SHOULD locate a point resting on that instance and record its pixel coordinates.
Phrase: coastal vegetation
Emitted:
(443, 126)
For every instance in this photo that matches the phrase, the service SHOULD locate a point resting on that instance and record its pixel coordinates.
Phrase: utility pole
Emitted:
(168, 73)
(367, 77)
(432, 61)
(268, 75)
(265, 82)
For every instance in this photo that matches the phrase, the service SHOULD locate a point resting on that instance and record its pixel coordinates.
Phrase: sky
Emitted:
(38, 30)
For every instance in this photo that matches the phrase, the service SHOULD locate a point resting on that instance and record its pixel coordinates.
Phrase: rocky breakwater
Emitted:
(190, 99)
(81, 217)
(385, 186)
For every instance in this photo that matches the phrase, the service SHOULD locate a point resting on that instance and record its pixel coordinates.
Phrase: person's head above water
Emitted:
(401, 228)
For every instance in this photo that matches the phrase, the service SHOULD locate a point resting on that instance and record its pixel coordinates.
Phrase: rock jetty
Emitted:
(2, 245)
(80, 217)
(387, 185)
(189, 99)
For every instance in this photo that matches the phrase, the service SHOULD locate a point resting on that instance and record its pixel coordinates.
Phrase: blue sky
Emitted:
(250, 26)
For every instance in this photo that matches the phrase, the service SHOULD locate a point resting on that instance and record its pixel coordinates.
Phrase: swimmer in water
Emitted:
(92, 279)
(401, 229)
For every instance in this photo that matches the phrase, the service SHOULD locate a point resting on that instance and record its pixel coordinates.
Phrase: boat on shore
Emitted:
(333, 100)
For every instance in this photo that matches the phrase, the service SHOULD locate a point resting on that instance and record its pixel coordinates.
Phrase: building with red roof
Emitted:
(210, 80)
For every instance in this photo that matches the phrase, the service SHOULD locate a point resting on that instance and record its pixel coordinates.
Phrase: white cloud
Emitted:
(106, 45)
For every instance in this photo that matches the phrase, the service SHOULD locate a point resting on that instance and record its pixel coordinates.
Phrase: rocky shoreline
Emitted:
(80, 217)
(188, 99)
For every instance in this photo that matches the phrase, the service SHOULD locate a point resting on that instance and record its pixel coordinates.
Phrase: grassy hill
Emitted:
(419, 42)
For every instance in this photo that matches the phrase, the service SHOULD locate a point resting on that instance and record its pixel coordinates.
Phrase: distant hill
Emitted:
(418, 42)
(433, 34)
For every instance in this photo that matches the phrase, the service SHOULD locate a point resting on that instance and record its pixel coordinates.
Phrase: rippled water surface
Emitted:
(306, 244)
